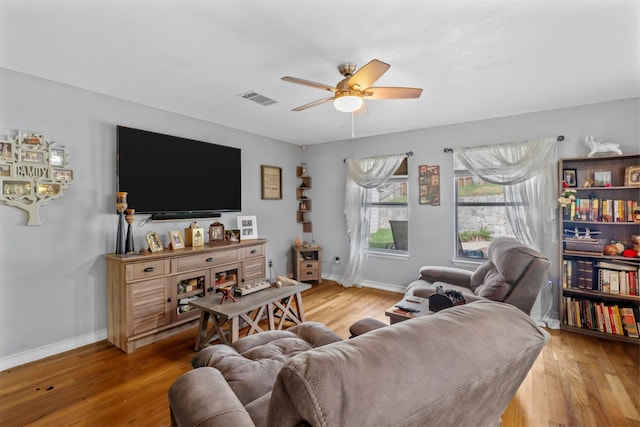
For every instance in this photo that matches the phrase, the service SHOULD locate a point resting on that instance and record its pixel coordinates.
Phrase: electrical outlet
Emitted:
(270, 263)
(336, 260)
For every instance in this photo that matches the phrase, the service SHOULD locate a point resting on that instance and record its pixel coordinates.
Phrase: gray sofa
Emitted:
(513, 274)
(459, 367)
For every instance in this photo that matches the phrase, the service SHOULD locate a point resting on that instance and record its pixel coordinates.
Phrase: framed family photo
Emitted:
(248, 227)
(56, 157)
(154, 242)
(6, 151)
(216, 232)
(31, 156)
(602, 179)
(632, 176)
(570, 177)
(30, 138)
(175, 237)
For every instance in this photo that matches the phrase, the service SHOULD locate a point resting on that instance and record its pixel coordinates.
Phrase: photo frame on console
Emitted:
(154, 242)
(175, 237)
(248, 227)
(232, 236)
(216, 232)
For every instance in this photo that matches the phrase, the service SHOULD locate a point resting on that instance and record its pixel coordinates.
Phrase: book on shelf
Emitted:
(617, 278)
(629, 321)
(601, 317)
(606, 210)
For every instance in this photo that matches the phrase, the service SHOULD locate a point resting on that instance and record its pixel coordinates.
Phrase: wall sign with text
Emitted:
(33, 171)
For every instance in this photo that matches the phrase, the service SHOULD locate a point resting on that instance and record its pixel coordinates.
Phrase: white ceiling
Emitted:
(474, 59)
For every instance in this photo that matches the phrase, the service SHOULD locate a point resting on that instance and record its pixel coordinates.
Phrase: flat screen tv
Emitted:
(174, 178)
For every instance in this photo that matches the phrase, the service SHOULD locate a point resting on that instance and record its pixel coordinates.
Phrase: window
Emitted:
(481, 215)
(388, 214)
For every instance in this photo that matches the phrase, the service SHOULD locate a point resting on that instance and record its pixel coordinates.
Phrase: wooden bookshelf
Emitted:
(590, 303)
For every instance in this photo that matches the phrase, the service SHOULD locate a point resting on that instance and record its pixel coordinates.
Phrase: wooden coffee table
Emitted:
(284, 302)
(396, 315)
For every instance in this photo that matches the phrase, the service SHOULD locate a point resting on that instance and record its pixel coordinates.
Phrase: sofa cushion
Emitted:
(250, 365)
(487, 282)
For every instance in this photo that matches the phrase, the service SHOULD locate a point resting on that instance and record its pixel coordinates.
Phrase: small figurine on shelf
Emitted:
(596, 146)
(297, 242)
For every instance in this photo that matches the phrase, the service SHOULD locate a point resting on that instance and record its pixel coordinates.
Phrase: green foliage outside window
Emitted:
(382, 239)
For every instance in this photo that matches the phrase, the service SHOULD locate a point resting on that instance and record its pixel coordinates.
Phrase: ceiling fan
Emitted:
(349, 93)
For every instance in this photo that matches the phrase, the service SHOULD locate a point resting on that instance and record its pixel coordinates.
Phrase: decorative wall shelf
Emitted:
(33, 171)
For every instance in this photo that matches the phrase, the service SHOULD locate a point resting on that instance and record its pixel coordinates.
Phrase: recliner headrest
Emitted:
(511, 257)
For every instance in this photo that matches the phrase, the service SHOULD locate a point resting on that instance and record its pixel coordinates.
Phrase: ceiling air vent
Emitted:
(256, 97)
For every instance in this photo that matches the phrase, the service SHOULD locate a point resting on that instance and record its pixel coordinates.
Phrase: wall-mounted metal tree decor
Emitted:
(33, 171)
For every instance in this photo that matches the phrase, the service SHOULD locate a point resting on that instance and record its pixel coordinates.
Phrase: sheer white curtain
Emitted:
(527, 170)
(362, 174)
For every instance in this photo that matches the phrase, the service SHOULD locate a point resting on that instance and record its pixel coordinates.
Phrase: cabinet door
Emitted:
(225, 275)
(189, 287)
(253, 269)
(148, 305)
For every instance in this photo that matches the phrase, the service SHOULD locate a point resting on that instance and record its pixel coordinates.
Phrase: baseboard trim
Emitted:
(73, 343)
(384, 286)
(370, 284)
(51, 349)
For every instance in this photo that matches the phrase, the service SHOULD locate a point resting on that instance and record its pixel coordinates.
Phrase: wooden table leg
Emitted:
(298, 297)
(235, 329)
(254, 322)
(202, 329)
(219, 321)
(204, 336)
(288, 312)
(270, 316)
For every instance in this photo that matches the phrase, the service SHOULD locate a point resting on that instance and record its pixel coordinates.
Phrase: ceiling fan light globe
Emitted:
(347, 103)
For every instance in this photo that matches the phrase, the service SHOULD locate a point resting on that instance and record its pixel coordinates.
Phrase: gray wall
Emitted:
(431, 228)
(53, 276)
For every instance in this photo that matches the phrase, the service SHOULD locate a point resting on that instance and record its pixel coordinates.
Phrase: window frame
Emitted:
(458, 251)
(396, 178)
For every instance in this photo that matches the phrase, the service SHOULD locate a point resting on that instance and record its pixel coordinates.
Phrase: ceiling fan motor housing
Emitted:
(347, 69)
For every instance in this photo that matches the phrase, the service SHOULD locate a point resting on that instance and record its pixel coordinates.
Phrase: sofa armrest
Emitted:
(454, 276)
(192, 404)
(365, 325)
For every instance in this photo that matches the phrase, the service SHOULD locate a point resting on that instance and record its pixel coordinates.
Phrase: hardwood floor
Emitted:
(576, 381)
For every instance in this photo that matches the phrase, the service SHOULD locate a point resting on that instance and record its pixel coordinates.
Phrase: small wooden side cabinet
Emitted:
(307, 263)
(148, 296)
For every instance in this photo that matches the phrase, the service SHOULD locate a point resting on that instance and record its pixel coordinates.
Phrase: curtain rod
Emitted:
(408, 154)
(450, 150)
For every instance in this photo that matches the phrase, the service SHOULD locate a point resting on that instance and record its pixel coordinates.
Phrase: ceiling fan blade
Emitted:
(367, 75)
(313, 104)
(392, 92)
(309, 83)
